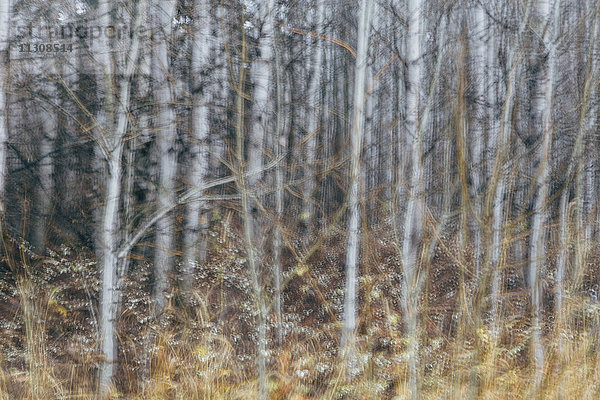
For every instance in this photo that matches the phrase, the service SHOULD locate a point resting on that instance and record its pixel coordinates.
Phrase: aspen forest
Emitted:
(292, 200)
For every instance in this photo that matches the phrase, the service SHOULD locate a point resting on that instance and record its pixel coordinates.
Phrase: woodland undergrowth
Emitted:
(203, 345)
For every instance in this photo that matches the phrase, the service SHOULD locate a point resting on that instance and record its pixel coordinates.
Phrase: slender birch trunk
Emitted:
(541, 210)
(314, 113)
(563, 256)
(109, 216)
(478, 128)
(112, 145)
(5, 8)
(166, 133)
(583, 191)
(196, 223)
(243, 186)
(413, 218)
(577, 166)
(280, 147)
(356, 139)
(260, 74)
(495, 196)
(584, 178)
(417, 122)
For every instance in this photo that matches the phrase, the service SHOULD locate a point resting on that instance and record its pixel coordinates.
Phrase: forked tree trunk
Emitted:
(418, 120)
(110, 234)
(498, 181)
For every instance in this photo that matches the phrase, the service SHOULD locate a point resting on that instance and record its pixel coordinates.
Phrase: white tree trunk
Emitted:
(254, 262)
(356, 139)
(166, 132)
(5, 8)
(541, 210)
(582, 166)
(480, 57)
(195, 251)
(314, 113)
(260, 74)
(498, 179)
(109, 225)
(280, 147)
(413, 218)
(112, 145)
(561, 265)
(584, 179)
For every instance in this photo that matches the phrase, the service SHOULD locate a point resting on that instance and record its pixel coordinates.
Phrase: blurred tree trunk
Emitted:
(5, 8)
(249, 188)
(163, 13)
(585, 195)
(498, 180)
(260, 74)
(356, 140)
(194, 246)
(111, 148)
(314, 120)
(111, 141)
(478, 126)
(280, 147)
(47, 143)
(543, 106)
(413, 217)
(579, 163)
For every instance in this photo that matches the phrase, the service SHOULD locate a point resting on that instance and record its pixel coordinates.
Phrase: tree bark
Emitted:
(413, 218)
(314, 113)
(495, 196)
(194, 247)
(541, 210)
(246, 183)
(45, 190)
(260, 75)
(356, 139)
(166, 133)
(480, 44)
(280, 148)
(5, 8)
(112, 145)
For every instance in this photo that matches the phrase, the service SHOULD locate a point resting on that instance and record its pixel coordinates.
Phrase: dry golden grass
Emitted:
(184, 367)
(205, 349)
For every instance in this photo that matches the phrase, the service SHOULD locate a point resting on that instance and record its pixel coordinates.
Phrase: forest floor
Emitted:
(203, 345)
